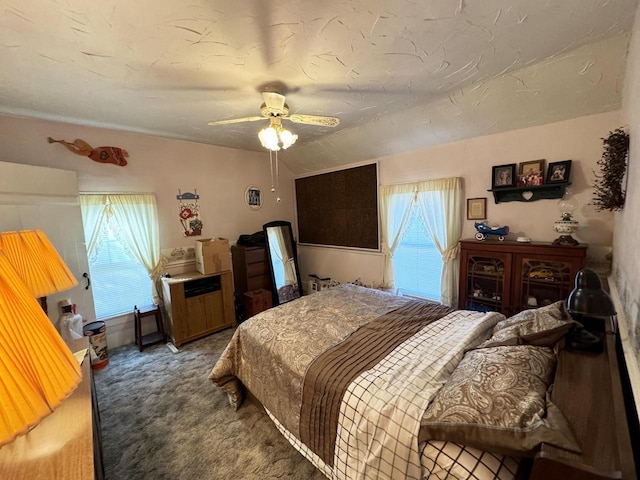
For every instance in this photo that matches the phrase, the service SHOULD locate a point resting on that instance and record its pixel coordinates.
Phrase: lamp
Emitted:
(566, 225)
(37, 369)
(588, 300)
(37, 263)
(588, 297)
(275, 136)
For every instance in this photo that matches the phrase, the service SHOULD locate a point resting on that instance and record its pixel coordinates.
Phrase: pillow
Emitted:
(496, 400)
(542, 327)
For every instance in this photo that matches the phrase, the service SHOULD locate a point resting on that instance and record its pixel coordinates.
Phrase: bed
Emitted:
(366, 384)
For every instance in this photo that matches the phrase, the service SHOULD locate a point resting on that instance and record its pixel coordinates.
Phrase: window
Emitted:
(123, 246)
(428, 215)
(119, 281)
(417, 262)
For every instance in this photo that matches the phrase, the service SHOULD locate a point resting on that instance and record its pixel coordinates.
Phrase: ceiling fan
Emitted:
(275, 110)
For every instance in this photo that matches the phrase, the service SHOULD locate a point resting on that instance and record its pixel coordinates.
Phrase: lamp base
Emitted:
(566, 240)
(581, 339)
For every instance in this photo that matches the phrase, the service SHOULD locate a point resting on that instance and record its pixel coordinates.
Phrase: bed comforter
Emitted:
(349, 372)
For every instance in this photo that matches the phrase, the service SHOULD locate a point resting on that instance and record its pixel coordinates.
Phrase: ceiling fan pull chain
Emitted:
(277, 178)
(277, 172)
(273, 188)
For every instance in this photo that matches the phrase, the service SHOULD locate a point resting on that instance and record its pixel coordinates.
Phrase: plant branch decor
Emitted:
(608, 192)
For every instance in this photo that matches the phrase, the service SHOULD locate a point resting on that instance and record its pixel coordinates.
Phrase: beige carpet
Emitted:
(163, 419)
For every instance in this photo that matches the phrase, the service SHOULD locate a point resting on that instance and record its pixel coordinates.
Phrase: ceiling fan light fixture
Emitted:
(269, 138)
(275, 137)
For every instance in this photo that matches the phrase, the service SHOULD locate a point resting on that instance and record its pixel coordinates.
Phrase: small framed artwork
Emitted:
(531, 174)
(253, 197)
(476, 208)
(504, 176)
(558, 172)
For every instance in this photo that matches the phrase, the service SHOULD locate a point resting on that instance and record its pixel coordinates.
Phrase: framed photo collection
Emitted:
(530, 174)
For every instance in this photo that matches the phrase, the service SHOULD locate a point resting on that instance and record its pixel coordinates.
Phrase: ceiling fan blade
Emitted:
(274, 101)
(236, 120)
(314, 120)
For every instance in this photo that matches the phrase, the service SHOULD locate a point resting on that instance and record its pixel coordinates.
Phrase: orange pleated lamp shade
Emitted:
(37, 369)
(37, 262)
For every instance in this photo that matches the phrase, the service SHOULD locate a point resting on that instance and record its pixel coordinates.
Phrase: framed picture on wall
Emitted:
(476, 208)
(558, 172)
(253, 197)
(504, 176)
(531, 174)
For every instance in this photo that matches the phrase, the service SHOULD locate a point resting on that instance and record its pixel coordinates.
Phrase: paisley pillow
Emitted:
(496, 400)
(542, 327)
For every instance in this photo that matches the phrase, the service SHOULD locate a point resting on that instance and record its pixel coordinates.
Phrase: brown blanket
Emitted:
(329, 375)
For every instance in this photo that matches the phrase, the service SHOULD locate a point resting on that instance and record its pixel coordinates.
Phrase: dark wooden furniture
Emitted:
(511, 276)
(198, 304)
(256, 301)
(250, 269)
(150, 338)
(588, 391)
(64, 445)
(538, 192)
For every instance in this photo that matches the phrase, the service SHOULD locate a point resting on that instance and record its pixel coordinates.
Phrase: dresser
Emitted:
(198, 304)
(250, 269)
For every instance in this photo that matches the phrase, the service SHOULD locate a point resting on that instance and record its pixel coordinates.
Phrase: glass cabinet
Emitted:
(509, 277)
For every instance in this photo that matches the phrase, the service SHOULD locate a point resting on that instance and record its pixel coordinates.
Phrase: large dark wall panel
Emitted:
(339, 208)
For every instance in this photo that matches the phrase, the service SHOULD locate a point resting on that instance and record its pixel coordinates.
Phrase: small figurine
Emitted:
(484, 230)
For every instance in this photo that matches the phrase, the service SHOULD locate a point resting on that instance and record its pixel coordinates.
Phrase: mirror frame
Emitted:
(274, 288)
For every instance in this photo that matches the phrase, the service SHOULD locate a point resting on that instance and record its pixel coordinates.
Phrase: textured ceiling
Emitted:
(400, 75)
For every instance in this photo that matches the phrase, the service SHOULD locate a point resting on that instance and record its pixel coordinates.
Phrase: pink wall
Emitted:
(161, 166)
(578, 140)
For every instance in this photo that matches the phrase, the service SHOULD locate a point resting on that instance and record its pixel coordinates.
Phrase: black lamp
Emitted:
(588, 300)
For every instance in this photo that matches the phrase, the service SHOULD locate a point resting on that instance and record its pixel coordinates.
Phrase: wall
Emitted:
(625, 279)
(578, 139)
(160, 166)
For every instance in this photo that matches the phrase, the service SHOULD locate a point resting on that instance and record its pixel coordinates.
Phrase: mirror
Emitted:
(285, 276)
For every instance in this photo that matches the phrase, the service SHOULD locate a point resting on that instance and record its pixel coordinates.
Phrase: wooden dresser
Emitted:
(66, 444)
(197, 305)
(250, 269)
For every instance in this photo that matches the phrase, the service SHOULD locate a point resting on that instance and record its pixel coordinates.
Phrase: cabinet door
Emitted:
(214, 310)
(196, 322)
(484, 283)
(541, 280)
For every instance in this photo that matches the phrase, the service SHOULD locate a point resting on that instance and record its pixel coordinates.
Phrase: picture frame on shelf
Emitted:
(558, 172)
(503, 176)
(531, 174)
(253, 197)
(477, 208)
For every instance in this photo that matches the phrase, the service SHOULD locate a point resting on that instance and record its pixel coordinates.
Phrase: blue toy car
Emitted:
(484, 230)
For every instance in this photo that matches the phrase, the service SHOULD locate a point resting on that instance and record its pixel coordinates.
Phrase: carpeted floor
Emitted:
(163, 419)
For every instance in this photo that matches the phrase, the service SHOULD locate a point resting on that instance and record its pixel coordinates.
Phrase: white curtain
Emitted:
(94, 214)
(135, 214)
(440, 205)
(395, 208)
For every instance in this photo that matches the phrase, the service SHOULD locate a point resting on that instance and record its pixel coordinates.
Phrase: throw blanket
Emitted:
(330, 374)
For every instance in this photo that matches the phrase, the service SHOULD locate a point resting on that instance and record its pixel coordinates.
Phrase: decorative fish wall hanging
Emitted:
(114, 155)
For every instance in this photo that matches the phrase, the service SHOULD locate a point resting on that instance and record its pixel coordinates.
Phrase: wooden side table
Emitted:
(256, 301)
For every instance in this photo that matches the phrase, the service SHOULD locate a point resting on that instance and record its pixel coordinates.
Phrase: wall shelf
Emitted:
(540, 192)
